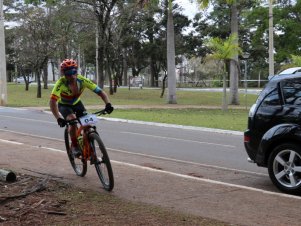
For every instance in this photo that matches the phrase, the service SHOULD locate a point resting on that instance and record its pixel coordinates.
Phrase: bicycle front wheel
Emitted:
(102, 162)
(78, 165)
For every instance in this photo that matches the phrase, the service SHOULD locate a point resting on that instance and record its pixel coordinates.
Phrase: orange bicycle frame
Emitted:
(82, 130)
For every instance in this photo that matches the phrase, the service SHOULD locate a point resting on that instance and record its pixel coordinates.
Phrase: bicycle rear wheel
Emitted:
(78, 165)
(102, 162)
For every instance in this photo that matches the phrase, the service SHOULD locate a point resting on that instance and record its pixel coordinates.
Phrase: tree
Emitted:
(287, 26)
(34, 41)
(296, 60)
(171, 55)
(234, 69)
(271, 40)
(102, 11)
(171, 71)
(3, 91)
(224, 50)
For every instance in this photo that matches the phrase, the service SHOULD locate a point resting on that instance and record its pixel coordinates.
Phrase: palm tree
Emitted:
(171, 66)
(271, 39)
(3, 88)
(224, 50)
(171, 70)
(234, 70)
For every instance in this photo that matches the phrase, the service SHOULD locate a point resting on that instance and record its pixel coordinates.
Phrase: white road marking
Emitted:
(27, 119)
(50, 149)
(188, 162)
(17, 109)
(179, 139)
(209, 181)
(30, 135)
(11, 142)
(178, 175)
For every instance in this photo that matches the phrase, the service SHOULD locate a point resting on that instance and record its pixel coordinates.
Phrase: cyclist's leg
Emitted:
(78, 164)
(79, 109)
(68, 113)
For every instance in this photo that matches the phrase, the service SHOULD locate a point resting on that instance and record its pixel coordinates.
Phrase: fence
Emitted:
(219, 83)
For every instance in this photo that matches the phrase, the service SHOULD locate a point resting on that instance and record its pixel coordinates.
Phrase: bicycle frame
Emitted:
(85, 131)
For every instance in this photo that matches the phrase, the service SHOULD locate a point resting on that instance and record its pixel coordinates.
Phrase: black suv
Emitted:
(273, 138)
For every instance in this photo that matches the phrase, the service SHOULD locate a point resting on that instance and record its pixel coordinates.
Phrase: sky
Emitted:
(190, 9)
(189, 6)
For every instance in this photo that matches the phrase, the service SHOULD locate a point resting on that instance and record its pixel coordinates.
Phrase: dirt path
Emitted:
(150, 185)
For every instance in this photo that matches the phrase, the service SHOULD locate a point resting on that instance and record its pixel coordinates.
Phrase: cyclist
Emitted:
(65, 103)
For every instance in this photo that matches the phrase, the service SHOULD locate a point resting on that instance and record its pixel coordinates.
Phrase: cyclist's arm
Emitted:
(104, 96)
(54, 98)
(96, 89)
(54, 108)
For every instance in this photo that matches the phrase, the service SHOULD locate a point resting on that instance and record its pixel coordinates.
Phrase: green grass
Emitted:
(212, 118)
(230, 120)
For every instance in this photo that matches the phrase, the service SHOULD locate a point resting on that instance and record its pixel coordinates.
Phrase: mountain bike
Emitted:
(92, 149)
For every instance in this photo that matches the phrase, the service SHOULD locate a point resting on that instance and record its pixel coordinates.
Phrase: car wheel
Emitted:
(284, 167)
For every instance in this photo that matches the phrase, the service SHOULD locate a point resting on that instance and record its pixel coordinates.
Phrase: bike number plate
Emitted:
(88, 120)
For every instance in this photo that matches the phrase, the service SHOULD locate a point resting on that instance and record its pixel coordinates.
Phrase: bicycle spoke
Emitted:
(79, 166)
(102, 165)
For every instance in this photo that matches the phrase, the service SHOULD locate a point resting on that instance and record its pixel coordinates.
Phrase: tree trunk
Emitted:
(171, 65)
(271, 39)
(53, 72)
(125, 68)
(163, 85)
(109, 73)
(100, 39)
(153, 72)
(39, 88)
(234, 99)
(45, 78)
(101, 77)
(3, 83)
(26, 80)
(224, 104)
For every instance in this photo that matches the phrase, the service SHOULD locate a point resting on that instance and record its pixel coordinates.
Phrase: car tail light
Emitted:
(247, 139)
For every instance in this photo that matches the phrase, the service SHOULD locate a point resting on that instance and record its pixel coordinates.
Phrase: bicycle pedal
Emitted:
(92, 161)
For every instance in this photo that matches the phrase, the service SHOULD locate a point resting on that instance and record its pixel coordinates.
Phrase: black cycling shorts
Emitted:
(77, 109)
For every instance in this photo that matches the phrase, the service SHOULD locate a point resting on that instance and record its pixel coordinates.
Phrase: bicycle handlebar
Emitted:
(101, 112)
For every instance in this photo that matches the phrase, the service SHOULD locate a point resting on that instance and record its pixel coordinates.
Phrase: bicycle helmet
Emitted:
(68, 64)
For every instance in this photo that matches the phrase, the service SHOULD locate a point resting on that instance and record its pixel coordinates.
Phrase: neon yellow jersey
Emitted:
(63, 94)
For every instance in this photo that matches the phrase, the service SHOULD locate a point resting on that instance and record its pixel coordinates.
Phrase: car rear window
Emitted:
(292, 91)
(269, 95)
(271, 99)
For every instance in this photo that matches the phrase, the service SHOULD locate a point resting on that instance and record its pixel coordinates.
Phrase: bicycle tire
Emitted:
(78, 165)
(102, 165)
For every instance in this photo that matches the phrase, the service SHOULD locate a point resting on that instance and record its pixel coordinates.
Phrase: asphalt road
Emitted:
(192, 144)
(195, 170)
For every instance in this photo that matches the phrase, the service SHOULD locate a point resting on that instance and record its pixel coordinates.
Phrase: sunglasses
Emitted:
(70, 72)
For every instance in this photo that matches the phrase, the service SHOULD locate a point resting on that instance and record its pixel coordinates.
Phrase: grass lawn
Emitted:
(212, 118)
